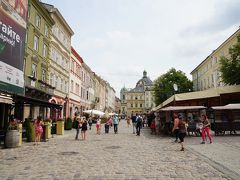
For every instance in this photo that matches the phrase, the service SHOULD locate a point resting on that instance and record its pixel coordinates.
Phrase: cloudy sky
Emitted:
(118, 39)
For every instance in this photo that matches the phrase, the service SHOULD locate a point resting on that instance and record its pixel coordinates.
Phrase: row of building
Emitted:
(209, 90)
(41, 73)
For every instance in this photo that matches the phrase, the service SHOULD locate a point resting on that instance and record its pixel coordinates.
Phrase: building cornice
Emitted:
(74, 52)
(218, 48)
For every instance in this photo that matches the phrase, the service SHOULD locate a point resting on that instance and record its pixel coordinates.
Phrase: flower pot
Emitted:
(12, 139)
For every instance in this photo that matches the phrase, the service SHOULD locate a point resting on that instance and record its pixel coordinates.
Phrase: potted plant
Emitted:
(68, 124)
(13, 137)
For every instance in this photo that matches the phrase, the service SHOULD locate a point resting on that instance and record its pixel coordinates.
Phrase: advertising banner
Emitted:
(13, 16)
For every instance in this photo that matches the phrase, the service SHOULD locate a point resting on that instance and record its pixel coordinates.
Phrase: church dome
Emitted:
(124, 89)
(144, 81)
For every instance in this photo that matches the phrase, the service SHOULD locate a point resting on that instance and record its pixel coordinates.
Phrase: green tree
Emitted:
(163, 85)
(230, 66)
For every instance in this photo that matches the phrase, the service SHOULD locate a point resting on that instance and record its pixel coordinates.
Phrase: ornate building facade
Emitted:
(139, 99)
(60, 50)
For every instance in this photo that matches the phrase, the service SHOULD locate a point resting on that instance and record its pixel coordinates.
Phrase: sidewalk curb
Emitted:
(226, 171)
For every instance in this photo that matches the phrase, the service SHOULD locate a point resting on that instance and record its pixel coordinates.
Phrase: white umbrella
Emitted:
(111, 114)
(94, 112)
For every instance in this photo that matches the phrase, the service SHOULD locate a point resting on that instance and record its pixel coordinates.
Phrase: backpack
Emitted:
(139, 120)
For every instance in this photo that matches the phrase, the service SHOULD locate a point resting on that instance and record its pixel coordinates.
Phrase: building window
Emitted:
(66, 86)
(51, 79)
(34, 70)
(77, 88)
(62, 85)
(136, 98)
(71, 85)
(87, 95)
(56, 82)
(72, 65)
(215, 60)
(136, 105)
(38, 21)
(131, 105)
(140, 105)
(44, 50)
(46, 30)
(123, 97)
(44, 75)
(35, 43)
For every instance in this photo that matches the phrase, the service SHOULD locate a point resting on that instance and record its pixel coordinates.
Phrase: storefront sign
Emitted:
(13, 16)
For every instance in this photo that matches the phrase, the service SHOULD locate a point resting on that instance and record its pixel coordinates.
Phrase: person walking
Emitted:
(139, 124)
(107, 125)
(133, 123)
(84, 128)
(175, 126)
(128, 121)
(115, 123)
(157, 123)
(206, 129)
(181, 124)
(77, 126)
(38, 130)
(90, 122)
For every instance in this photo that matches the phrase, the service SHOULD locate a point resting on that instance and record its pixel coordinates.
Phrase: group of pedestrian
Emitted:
(81, 124)
(137, 122)
(180, 129)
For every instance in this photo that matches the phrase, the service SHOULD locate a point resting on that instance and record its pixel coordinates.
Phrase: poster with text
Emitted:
(13, 18)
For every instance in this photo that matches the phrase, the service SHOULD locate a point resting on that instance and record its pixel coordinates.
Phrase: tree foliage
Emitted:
(163, 85)
(230, 66)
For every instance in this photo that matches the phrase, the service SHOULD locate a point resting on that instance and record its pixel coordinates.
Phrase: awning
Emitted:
(5, 99)
(209, 93)
(180, 108)
(33, 101)
(227, 107)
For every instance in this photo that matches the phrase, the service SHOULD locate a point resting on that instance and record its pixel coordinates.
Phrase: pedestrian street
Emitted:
(118, 156)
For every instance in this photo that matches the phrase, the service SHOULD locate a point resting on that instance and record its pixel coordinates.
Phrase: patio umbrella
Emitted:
(111, 114)
(94, 112)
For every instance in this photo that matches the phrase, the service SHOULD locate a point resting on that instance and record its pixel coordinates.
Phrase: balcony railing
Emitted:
(32, 82)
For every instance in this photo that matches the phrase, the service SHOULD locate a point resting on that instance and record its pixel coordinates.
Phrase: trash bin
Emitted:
(60, 127)
(48, 130)
(20, 131)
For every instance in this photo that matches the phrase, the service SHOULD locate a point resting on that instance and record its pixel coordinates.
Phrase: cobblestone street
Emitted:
(121, 156)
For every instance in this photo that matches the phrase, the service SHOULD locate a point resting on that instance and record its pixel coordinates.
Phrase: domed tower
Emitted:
(123, 98)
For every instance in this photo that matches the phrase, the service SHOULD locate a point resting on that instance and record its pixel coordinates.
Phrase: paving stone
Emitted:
(114, 156)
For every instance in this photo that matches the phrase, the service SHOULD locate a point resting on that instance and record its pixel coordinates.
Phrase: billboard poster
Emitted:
(13, 21)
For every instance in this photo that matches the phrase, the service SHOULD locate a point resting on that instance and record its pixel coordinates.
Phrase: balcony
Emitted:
(33, 83)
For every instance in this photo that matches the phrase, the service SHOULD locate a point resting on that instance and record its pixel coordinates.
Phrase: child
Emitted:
(98, 126)
(153, 128)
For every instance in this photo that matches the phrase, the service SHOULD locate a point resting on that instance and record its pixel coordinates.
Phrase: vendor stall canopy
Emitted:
(209, 93)
(180, 108)
(227, 107)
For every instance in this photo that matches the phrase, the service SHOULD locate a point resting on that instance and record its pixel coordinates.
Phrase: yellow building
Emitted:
(139, 99)
(206, 75)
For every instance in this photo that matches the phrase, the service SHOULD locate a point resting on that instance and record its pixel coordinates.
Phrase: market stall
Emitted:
(226, 118)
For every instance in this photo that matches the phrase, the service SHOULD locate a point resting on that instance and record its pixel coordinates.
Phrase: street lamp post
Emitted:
(65, 107)
(175, 87)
